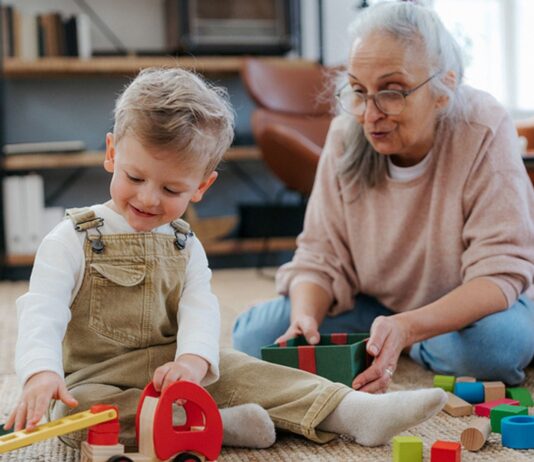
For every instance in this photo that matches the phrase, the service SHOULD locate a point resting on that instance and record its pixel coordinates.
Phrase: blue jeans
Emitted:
(497, 347)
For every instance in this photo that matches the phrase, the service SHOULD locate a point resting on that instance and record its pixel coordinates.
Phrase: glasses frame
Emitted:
(366, 97)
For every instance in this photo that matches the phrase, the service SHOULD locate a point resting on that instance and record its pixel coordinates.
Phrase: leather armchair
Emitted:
(526, 128)
(292, 120)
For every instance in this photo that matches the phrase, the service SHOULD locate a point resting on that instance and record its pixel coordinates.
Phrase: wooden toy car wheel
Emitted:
(188, 457)
(119, 458)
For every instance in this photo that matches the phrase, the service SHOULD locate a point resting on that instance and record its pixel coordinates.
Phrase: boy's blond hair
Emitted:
(176, 110)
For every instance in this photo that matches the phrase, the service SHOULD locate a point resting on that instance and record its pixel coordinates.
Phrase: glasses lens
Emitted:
(390, 102)
(351, 101)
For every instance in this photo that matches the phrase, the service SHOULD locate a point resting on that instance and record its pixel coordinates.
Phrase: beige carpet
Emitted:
(238, 289)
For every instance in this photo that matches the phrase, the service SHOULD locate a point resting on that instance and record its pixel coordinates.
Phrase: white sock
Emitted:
(248, 426)
(374, 419)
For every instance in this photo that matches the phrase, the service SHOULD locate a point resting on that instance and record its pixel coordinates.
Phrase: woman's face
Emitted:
(381, 62)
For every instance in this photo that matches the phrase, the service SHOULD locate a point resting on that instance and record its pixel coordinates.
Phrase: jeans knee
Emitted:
(505, 353)
(261, 325)
(243, 336)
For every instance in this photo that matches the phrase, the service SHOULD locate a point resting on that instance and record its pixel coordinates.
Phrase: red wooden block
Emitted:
(446, 451)
(107, 427)
(102, 439)
(484, 409)
(106, 433)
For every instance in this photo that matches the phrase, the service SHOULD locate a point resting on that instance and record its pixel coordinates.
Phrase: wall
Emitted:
(81, 108)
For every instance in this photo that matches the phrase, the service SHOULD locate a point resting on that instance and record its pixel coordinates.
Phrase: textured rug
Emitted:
(238, 289)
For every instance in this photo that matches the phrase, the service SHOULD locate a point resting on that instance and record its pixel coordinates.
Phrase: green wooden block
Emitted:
(445, 381)
(504, 410)
(338, 363)
(407, 449)
(520, 394)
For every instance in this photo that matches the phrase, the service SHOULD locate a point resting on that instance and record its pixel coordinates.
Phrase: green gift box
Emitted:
(337, 357)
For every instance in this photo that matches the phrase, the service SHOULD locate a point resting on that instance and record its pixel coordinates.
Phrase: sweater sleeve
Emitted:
(323, 254)
(498, 208)
(198, 314)
(43, 312)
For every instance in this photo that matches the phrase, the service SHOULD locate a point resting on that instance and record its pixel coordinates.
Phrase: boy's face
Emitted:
(150, 186)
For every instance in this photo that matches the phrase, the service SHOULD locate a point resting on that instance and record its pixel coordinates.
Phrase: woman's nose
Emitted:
(372, 113)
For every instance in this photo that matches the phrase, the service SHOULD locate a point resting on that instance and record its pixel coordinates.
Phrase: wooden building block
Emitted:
(520, 394)
(472, 392)
(444, 381)
(407, 449)
(484, 409)
(493, 391)
(457, 407)
(446, 451)
(465, 379)
(518, 432)
(474, 436)
(504, 410)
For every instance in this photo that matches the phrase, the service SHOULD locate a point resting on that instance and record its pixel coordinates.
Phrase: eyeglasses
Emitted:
(390, 102)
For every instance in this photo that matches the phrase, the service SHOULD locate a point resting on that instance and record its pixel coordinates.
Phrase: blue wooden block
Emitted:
(518, 432)
(472, 392)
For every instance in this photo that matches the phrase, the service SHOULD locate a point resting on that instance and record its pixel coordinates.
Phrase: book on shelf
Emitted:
(34, 211)
(44, 147)
(26, 220)
(31, 36)
(13, 190)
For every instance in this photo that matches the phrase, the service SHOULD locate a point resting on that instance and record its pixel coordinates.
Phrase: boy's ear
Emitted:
(204, 186)
(109, 162)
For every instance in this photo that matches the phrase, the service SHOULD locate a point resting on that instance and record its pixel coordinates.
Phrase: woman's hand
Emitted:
(302, 325)
(389, 336)
(186, 367)
(37, 393)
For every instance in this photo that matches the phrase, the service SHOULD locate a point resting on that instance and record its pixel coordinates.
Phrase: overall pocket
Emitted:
(117, 306)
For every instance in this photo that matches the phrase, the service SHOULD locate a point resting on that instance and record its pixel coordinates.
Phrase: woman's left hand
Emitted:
(389, 336)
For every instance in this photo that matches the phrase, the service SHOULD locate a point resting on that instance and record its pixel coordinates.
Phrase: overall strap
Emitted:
(182, 232)
(85, 219)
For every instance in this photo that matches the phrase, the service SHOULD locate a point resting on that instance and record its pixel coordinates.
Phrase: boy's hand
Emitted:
(37, 392)
(186, 367)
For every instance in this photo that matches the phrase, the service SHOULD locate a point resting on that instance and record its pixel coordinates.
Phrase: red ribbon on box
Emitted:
(307, 358)
(338, 339)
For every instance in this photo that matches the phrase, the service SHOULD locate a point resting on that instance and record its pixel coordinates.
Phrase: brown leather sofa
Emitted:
(292, 118)
(526, 128)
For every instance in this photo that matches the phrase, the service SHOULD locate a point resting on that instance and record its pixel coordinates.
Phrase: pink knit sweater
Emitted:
(469, 215)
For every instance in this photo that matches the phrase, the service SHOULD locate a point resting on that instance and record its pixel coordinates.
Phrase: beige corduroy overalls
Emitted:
(124, 326)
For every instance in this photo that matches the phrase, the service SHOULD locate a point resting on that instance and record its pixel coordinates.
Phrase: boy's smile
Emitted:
(152, 186)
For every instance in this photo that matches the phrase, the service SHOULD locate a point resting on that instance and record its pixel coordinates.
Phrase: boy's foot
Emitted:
(374, 419)
(248, 426)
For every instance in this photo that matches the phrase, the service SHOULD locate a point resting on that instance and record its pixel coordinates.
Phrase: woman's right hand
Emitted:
(305, 325)
(37, 393)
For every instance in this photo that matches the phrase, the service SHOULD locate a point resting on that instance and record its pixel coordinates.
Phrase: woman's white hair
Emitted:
(415, 26)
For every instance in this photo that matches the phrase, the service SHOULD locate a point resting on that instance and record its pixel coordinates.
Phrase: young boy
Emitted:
(120, 293)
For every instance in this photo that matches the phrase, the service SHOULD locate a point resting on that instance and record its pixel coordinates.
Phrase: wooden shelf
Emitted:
(53, 161)
(250, 245)
(19, 260)
(126, 65)
(95, 158)
(213, 248)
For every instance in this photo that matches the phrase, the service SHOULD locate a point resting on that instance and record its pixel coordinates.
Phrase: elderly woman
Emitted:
(420, 226)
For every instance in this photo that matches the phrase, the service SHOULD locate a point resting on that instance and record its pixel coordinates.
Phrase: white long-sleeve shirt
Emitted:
(44, 311)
